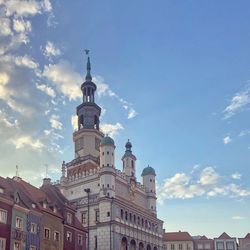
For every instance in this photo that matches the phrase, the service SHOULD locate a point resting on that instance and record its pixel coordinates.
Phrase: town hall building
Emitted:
(118, 210)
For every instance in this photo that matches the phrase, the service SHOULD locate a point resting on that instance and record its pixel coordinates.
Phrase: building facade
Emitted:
(33, 219)
(119, 211)
(178, 241)
(244, 243)
(203, 243)
(225, 242)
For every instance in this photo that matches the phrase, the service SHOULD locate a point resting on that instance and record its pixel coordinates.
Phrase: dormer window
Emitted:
(69, 218)
(1, 190)
(54, 209)
(33, 205)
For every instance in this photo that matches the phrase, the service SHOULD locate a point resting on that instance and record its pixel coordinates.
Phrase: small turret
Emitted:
(148, 180)
(129, 160)
(107, 167)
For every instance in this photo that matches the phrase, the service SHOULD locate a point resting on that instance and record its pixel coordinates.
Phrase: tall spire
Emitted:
(88, 75)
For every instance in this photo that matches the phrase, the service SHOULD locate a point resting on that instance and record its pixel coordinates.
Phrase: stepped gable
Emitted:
(177, 236)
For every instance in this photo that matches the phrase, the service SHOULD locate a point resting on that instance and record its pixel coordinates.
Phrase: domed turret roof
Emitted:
(148, 171)
(106, 140)
(128, 145)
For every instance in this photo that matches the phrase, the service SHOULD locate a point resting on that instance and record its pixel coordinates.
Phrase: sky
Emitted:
(172, 76)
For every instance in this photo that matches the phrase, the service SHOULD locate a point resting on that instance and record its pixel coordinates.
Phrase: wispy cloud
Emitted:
(46, 89)
(236, 176)
(50, 50)
(244, 132)
(227, 139)
(103, 89)
(55, 123)
(111, 129)
(238, 217)
(238, 102)
(208, 183)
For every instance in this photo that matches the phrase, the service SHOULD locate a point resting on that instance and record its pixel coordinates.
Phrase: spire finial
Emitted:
(17, 171)
(88, 75)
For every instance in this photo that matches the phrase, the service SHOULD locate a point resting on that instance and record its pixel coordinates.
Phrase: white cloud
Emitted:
(46, 4)
(20, 25)
(227, 140)
(111, 129)
(74, 122)
(22, 8)
(55, 123)
(4, 79)
(26, 61)
(132, 113)
(46, 89)
(50, 50)
(238, 102)
(103, 89)
(5, 29)
(63, 76)
(208, 176)
(207, 184)
(26, 141)
(6, 121)
(236, 176)
(244, 132)
(238, 217)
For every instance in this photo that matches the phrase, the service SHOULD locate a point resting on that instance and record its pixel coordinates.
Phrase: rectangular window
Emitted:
(207, 246)
(172, 246)
(84, 217)
(2, 244)
(3, 216)
(69, 236)
(17, 245)
(46, 233)
(95, 242)
(108, 214)
(200, 246)
(180, 246)
(220, 245)
(69, 218)
(19, 222)
(56, 236)
(230, 245)
(33, 228)
(80, 240)
(97, 215)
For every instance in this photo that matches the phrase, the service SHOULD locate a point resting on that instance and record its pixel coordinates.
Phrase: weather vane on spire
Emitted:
(88, 75)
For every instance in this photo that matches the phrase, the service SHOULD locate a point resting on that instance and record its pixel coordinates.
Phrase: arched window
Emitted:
(122, 214)
(132, 164)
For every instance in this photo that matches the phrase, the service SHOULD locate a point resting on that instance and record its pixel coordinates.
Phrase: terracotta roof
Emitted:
(177, 236)
(224, 236)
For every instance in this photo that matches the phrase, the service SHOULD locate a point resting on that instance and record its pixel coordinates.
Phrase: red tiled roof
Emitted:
(177, 236)
(224, 236)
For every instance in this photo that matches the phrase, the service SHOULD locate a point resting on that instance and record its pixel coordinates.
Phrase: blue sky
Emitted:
(172, 76)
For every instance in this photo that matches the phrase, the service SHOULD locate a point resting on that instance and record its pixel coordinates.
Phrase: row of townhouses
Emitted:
(184, 241)
(33, 218)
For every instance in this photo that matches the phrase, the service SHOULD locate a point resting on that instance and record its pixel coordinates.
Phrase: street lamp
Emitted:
(87, 190)
(110, 235)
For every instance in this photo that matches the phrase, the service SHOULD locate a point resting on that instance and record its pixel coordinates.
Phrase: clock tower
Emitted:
(88, 136)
